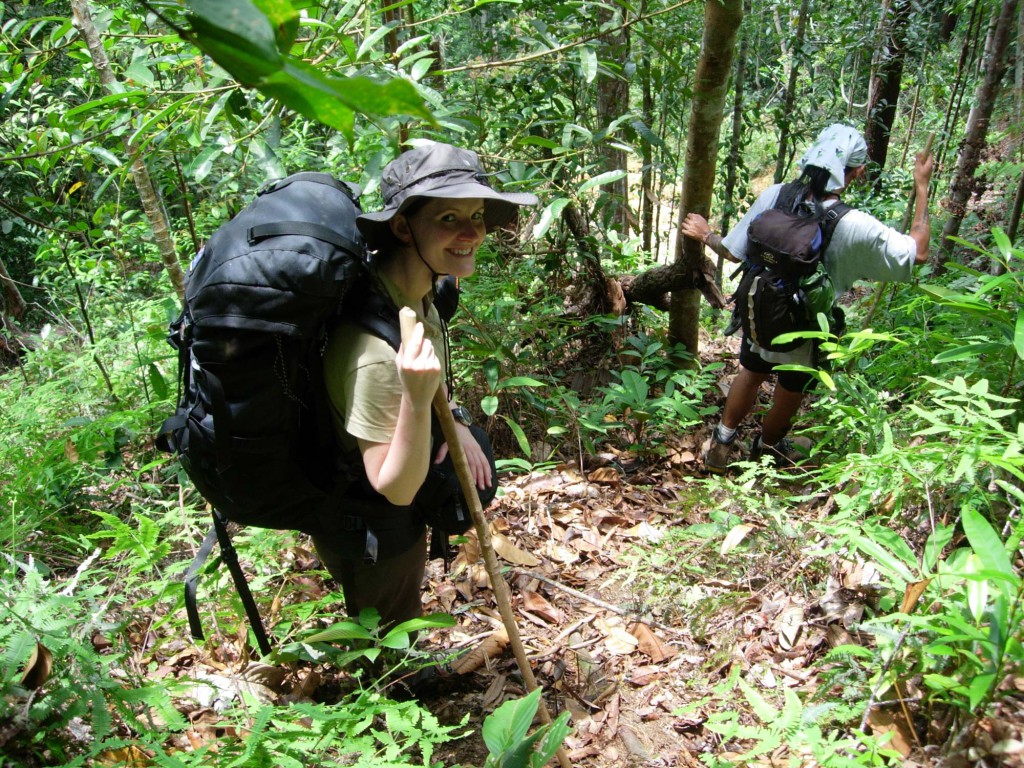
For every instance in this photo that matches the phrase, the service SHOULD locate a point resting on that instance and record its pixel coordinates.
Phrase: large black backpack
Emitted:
(784, 284)
(252, 427)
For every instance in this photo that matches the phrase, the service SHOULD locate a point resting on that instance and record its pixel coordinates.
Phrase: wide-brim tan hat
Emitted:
(434, 169)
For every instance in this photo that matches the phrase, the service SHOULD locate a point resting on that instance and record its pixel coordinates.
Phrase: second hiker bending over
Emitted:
(438, 208)
(860, 248)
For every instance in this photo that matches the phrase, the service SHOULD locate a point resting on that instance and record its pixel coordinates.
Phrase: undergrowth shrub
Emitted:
(77, 418)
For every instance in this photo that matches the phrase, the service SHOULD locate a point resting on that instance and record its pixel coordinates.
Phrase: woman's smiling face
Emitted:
(447, 232)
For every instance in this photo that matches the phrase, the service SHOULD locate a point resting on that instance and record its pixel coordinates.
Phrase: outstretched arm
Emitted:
(921, 228)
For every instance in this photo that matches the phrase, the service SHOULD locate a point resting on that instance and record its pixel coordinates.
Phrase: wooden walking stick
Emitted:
(407, 319)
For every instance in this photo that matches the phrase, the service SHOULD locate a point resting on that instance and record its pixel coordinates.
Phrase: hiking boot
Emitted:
(717, 454)
(787, 452)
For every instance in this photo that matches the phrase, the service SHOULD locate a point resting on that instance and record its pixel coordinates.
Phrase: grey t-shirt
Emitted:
(862, 248)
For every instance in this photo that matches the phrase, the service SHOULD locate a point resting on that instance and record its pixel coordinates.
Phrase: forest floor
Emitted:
(650, 601)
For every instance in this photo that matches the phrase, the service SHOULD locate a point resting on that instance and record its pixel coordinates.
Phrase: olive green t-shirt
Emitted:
(362, 377)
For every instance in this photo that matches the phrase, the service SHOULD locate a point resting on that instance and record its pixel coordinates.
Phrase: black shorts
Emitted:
(792, 381)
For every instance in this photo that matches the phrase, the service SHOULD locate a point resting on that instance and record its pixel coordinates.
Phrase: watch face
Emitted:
(462, 416)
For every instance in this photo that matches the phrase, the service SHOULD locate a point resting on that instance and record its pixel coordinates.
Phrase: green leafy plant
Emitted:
(509, 743)
(804, 729)
(993, 302)
(633, 397)
(968, 633)
(65, 697)
(366, 640)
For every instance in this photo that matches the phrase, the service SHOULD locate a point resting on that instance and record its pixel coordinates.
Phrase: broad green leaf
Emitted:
(978, 689)
(556, 733)
(411, 43)
(885, 560)
(107, 102)
(509, 723)
(609, 177)
(519, 381)
(977, 589)
(524, 443)
(374, 38)
(158, 382)
(139, 74)
(492, 370)
(588, 63)
(239, 36)
(934, 546)
(1018, 335)
(1002, 242)
(551, 212)
(433, 621)
(986, 542)
(489, 405)
(538, 141)
(343, 630)
(967, 351)
(420, 68)
(647, 134)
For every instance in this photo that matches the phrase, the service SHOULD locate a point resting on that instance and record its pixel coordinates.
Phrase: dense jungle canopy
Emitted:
(863, 609)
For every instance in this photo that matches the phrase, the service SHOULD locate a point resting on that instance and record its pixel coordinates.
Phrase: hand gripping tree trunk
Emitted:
(151, 202)
(721, 22)
(995, 65)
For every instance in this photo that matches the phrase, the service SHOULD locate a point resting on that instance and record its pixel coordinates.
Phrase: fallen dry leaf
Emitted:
(617, 640)
(883, 720)
(735, 536)
(604, 475)
(509, 552)
(913, 594)
(537, 604)
(645, 532)
(650, 644)
(788, 624)
(490, 647)
(38, 669)
(130, 756)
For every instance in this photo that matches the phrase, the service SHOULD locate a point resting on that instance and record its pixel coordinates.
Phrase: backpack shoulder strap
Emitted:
(378, 314)
(790, 196)
(829, 219)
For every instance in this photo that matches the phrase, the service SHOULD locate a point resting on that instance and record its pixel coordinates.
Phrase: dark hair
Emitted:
(385, 243)
(816, 178)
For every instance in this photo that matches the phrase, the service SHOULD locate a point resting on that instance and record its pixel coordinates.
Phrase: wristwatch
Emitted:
(462, 416)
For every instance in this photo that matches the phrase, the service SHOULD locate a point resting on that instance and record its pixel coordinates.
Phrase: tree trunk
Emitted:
(789, 100)
(612, 103)
(1013, 223)
(152, 204)
(721, 21)
(735, 159)
(956, 96)
(13, 302)
(977, 125)
(885, 85)
(647, 195)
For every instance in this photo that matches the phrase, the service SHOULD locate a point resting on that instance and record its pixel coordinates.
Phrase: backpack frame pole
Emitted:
(230, 557)
(407, 318)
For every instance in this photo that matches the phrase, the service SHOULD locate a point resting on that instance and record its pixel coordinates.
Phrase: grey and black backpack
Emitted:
(784, 284)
